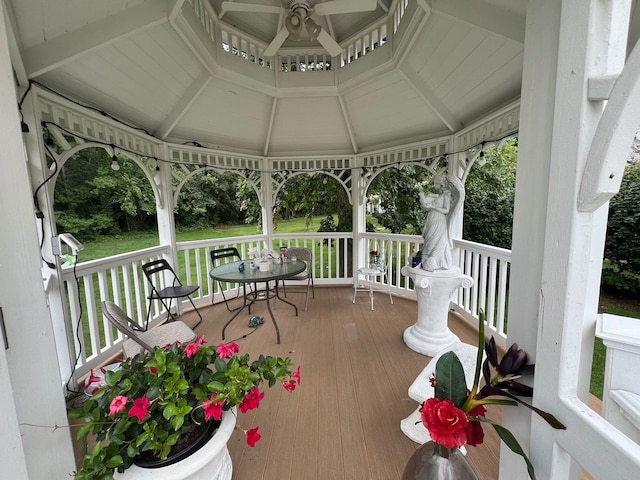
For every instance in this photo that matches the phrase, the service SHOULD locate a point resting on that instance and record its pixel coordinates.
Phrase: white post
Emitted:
(359, 218)
(266, 200)
(557, 251)
(32, 401)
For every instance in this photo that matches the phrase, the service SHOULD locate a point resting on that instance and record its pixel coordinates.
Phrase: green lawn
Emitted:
(130, 242)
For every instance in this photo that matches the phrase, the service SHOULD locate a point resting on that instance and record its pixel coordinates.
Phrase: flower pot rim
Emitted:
(192, 463)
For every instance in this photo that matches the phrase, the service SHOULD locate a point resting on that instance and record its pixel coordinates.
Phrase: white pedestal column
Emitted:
(430, 334)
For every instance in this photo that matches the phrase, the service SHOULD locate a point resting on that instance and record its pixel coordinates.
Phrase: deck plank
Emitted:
(343, 422)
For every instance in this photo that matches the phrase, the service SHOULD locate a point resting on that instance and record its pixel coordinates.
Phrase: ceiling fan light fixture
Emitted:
(293, 22)
(313, 28)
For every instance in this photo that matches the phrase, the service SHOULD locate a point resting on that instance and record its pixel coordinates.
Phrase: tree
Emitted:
(489, 195)
(210, 199)
(91, 199)
(400, 210)
(621, 268)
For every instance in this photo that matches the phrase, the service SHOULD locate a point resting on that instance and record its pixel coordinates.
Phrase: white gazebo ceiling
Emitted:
(136, 60)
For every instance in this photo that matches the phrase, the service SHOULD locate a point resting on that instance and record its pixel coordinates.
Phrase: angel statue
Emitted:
(440, 207)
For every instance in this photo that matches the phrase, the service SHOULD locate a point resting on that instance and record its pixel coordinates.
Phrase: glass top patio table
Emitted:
(232, 272)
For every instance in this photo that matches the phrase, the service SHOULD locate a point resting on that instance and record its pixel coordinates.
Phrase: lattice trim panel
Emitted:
(339, 168)
(495, 127)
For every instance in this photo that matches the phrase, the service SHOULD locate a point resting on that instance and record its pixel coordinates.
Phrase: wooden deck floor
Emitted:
(343, 422)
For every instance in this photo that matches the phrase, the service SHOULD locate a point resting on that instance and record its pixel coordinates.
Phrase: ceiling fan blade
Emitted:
(250, 7)
(329, 44)
(344, 6)
(276, 43)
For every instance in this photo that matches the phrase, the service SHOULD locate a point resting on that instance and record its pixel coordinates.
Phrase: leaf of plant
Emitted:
(177, 422)
(511, 442)
(549, 418)
(113, 462)
(84, 430)
(508, 438)
(450, 380)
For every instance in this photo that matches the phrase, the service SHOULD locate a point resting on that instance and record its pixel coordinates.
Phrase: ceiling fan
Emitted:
(299, 16)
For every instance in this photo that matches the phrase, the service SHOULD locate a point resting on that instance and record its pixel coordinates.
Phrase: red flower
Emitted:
(117, 405)
(289, 385)
(200, 340)
(445, 422)
(212, 409)
(253, 436)
(191, 349)
(296, 375)
(251, 400)
(153, 370)
(140, 408)
(228, 350)
(473, 431)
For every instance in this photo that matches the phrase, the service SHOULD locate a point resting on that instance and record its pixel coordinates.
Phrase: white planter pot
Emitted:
(211, 462)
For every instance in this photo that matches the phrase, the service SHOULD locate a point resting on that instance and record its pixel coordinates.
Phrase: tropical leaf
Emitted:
(549, 418)
(451, 383)
(511, 442)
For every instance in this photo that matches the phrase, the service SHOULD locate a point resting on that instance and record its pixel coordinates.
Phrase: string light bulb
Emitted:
(115, 164)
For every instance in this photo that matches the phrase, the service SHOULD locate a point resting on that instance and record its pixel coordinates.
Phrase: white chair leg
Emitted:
(389, 288)
(371, 292)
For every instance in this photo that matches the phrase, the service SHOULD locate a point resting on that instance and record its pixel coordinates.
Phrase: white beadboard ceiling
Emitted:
(136, 59)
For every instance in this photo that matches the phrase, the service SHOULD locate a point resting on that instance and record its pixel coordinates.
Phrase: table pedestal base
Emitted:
(430, 334)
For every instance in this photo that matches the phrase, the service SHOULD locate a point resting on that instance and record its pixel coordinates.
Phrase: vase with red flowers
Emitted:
(172, 402)
(454, 417)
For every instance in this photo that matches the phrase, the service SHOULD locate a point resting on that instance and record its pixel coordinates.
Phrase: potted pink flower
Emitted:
(162, 405)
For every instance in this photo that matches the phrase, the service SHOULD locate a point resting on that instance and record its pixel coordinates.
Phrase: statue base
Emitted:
(431, 333)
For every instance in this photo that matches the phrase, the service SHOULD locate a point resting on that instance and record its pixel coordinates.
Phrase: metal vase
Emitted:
(432, 461)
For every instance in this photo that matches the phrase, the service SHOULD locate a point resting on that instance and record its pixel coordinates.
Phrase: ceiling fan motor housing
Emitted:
(300, 7)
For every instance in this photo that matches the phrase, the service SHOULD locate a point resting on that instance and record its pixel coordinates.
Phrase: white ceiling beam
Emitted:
(272, 118)
(416, 33)
(383, 6)
(15, 46)
(69, 46)
(175, 10)
(185, 102)
(430, 98)
(347, 122)
(484, 15)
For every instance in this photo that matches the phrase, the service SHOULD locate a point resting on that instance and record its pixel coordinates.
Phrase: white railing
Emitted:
(309, 62)
(243, 46)
(366, 41)
(489, 267)
(120, 279)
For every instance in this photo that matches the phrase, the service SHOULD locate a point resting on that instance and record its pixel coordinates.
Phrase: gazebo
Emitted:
(369, 85)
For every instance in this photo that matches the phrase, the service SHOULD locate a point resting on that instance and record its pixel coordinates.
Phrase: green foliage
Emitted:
(489, 195)
(400, 207)
(211, 199)
(179, 387)
(328, 224)
(91, 199)
(621, 269)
